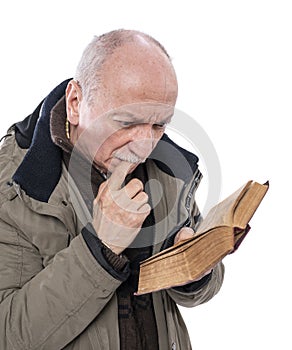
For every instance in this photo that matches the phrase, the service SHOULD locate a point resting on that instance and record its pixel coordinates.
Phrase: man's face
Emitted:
(130, 111)
(128, 133)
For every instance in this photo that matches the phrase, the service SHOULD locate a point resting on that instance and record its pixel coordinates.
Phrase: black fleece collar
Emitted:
(41, 168)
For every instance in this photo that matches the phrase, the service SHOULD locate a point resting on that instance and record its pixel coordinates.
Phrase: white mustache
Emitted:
(130, 158)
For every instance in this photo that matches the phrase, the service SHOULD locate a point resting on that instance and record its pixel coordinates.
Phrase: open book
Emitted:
(219, 234)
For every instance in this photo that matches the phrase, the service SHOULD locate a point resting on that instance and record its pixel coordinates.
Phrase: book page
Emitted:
(248, 204)
(222, 213)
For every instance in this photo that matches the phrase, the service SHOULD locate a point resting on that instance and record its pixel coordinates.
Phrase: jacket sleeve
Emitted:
(46, 308)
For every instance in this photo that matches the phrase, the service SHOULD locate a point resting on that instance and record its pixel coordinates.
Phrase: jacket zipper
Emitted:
(187, 222)
(194, 186)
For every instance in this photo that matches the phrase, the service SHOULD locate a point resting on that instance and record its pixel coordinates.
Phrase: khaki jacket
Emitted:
(53, 293)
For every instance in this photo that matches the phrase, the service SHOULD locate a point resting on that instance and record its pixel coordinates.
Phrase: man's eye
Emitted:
(125, 124)
(160, 126)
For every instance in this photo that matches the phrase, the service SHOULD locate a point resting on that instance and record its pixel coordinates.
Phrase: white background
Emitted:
(233, 61)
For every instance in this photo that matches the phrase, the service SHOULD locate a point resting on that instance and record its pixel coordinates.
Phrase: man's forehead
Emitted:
(144, 110)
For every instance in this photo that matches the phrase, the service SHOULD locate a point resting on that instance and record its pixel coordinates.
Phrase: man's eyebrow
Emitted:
(119, 115)
(135, 119)
(167, 119)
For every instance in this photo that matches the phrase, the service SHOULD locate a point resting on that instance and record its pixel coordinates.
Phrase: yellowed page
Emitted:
(222, 213)
(248, 204)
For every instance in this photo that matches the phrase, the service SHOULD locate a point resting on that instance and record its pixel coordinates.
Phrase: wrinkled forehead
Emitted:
(144, 112)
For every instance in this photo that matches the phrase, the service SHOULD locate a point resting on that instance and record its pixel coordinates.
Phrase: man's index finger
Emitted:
(118, 176)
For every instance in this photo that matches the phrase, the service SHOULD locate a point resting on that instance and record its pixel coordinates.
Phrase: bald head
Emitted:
(126, 46)
(137, 72)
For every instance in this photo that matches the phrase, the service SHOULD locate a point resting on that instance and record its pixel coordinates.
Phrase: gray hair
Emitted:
(97, 51)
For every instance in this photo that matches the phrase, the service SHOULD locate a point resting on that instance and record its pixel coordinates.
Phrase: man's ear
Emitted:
(73, 99)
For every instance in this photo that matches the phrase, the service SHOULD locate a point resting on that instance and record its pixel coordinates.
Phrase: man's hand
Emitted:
(184, 233)
(119, 212)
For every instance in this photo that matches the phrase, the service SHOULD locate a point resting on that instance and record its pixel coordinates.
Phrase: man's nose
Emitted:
(143, 141)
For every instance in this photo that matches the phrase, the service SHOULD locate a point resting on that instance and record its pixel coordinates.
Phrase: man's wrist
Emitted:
(113, 248)
(116, 265)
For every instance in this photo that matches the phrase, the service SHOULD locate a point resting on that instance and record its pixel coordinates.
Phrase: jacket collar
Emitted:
(41, 168)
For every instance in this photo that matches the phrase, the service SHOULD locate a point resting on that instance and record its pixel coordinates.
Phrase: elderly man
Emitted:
(90, 185)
